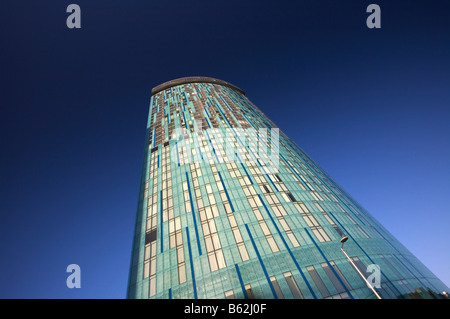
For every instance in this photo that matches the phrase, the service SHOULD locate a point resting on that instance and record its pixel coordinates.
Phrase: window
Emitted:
(334, 279)
(152, 284)
(291, 197)
(296, 293)
(150, 236)
(338, 230)
(386, 259)
(358, 263)
(362, 231)
(249, 291)
(318, 281)
(341, 275)
(207, 214)
(273, 245)
(276, 287)
(316, 228)
(229, 294)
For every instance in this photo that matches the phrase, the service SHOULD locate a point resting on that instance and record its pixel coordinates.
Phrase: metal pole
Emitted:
(359, 272)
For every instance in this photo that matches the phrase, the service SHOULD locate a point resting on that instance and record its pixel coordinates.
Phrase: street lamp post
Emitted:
(343, 240)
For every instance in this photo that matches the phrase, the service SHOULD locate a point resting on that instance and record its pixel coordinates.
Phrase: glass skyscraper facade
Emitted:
(230, 207)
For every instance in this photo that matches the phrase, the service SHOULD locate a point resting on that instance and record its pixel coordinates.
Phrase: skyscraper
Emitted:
(230, 207)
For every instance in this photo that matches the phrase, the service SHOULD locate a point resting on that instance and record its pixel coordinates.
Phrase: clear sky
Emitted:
(370, 106)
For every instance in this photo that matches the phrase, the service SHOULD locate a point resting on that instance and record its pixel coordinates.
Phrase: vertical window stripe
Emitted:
(261, 262)
(289, 250)
(329, 265)
(193, 215)
(240, 281)
(191, 263)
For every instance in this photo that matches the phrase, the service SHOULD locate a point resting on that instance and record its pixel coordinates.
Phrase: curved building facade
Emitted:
(230, 207)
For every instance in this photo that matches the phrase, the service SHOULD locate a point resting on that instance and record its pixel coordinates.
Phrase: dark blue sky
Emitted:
(371, 106)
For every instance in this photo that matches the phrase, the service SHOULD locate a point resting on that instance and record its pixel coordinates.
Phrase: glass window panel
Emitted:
(345, 295)
(212, 226)
(212, 262)
(229, 294)
(215, 240)
(341, 275)
(202, 213)
(258, 214)
(276, 287)
(272, 244)
(209, 244)
(237, 235)
(362, 231)
(324, 234)
(172, 242)
(308, 221)
(215, 211)
(338, 230)
(249, 291)
(180, 255)
(152, 288)
(276, 211)
(152, 266)
(220, 259)
(182, 273)
(232, 221)
(293, 287)
(208, 211)
(205, 229)
(265, 229)
(284, 224)
(179, 238)
(177, 223)
(146, 269)
(293, 240)
(334, 279)
(359, 264)
(147, 252)
(243, 252)
(318, 281)
(318, 235)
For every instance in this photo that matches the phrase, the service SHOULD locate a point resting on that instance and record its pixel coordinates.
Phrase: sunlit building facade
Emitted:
(230, 207)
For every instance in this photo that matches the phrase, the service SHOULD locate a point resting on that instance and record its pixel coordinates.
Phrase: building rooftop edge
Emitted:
(194, 79)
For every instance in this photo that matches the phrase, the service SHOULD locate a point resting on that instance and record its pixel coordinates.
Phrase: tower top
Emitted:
(194, 79)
